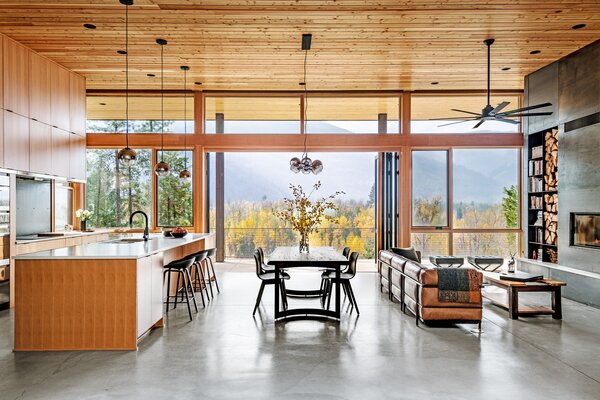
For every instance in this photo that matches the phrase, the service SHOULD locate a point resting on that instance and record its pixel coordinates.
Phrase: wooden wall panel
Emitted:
(60, 92)
(16, 141)
(40, 147)
(61, 149)
(77, 104)
(81, 308)
(76, 157)
(16, 77)
(39, 88)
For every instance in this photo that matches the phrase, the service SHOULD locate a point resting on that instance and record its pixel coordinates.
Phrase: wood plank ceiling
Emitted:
(255, 45)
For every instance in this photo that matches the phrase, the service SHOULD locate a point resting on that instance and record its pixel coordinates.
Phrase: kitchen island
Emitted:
(97, 296)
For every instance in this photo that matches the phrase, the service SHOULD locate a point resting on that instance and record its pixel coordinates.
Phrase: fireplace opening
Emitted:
(585, 230)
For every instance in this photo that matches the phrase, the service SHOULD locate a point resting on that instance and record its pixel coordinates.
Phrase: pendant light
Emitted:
(126, 155)
(185, 175)
(306, 165)
(162, 168)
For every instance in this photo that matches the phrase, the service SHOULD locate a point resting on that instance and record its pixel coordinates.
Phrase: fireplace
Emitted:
(585, 230)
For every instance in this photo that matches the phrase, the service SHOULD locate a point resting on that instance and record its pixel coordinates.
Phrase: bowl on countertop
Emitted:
(167, 233)
(178, 235)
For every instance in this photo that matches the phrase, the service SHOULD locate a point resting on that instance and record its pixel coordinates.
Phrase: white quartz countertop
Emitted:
(65, 235)
(111, 250)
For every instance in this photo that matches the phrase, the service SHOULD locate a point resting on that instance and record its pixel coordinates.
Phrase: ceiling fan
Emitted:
(490, 113)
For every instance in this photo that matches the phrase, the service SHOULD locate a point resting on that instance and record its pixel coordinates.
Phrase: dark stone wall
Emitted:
(572, 84)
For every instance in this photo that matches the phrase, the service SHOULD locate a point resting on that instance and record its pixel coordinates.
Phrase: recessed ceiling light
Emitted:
(197, 83)
(434, 83)
(302, 83)
(89, 26)
(150, 75)
(102, 104)
(121, 52)
(578, 26)
(506, 69)
(535, 52)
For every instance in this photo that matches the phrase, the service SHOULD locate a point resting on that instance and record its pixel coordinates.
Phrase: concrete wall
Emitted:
(572, 85)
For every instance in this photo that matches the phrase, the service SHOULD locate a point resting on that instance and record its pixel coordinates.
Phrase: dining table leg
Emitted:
(337, 291)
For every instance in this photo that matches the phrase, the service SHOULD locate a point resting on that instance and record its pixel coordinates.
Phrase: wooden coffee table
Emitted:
(514, 288)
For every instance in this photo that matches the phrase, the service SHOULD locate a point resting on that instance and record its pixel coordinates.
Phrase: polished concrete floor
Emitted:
(226, 354)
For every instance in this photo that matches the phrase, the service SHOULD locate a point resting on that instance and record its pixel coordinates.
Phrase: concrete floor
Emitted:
(226, 354)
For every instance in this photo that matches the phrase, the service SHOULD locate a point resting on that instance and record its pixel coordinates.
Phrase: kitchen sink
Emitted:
(128, 240)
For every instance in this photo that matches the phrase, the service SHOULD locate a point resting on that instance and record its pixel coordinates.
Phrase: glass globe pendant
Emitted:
(185, 175)
(162, 168)
(127, 156)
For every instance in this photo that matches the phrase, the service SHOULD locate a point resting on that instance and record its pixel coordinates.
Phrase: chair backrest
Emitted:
(181, 264)
(352, 266)
(346, 252)
(262, 254)
(258, 263)
(201, 255)
(211, 252)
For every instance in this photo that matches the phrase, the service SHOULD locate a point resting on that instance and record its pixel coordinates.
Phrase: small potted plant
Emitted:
(84, 216)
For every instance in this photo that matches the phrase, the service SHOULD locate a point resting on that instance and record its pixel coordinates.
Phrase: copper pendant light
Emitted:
(126, 156)
(162, 168)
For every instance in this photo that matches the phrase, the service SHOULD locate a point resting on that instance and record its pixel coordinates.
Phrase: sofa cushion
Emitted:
(408, 252)
(385, 256)
(398, 263)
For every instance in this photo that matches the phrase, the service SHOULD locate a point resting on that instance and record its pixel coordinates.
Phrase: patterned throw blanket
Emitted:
(458, 285)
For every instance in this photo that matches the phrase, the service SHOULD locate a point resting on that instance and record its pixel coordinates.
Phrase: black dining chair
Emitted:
(184, 282)
(345, 277)
(268, 278)
(265, 267)
(345, 253)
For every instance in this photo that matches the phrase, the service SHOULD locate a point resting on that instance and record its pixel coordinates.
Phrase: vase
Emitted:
(303, 246)
(83, 226)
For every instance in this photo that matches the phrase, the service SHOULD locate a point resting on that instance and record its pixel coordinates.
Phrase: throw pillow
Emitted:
(408, 253)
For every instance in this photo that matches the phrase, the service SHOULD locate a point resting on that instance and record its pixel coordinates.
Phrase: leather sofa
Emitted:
(415, 286)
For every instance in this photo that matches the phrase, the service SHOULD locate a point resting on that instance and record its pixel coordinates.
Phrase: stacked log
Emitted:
(551, 185)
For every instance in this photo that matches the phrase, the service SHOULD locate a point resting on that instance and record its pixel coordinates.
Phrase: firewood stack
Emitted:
(551, 185)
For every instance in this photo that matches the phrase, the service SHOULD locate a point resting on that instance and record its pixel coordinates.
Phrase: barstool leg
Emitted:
(187, 298)
(189, 278)
(168, 286)
(208, 277)
(212, 267)
(200, 280)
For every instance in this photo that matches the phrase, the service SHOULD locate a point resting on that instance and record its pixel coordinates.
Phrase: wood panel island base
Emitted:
(98, 296)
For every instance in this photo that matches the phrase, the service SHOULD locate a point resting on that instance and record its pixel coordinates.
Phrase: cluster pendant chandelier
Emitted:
(126, 155)
(162, 168)
(185, 175)
(305, 165)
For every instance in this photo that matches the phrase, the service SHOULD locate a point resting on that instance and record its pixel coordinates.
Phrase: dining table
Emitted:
(287, 258)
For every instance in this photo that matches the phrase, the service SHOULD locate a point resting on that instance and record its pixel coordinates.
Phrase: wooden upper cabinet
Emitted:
(16, 141)
(77, 157)
(60, 92)
(16, 76)
(61, 150)
(1, 103)
(77, 104)
(40, 147)
(39, 88)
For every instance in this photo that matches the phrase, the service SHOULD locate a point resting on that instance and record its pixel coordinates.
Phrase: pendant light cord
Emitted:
(126, 75)
(162, 103)
(185, 118)
(305, 105)
(489, 46)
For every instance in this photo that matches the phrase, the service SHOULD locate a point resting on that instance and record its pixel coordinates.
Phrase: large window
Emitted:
(437, 113)
(252, 115)
(113, 191)
(346, 115)
(106, 114)
(485, 202)
(430, 188)
(174, 195)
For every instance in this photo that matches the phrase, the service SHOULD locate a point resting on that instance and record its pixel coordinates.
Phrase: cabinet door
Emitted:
(59, 103)
(16, 141)
(77, 104)
(61, 150)
(157, 287)
(77, 157)
(143, 295)
(16, 77)
(40, 147)
(39, 88)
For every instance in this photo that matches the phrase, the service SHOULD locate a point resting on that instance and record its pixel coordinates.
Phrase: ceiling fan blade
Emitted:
(450, 118)
(510, 121)
(478, 124)
(518, 110)
(500, 107)
(536, 114)
(458, 122)
(466, 112)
